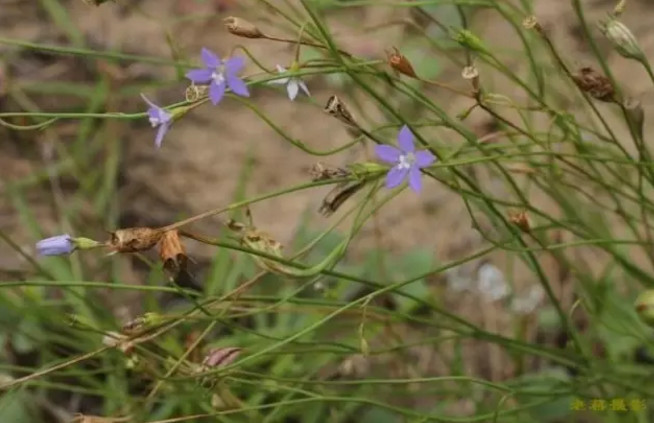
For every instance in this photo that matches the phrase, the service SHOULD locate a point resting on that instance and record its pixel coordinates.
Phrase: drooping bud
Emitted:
(400, 63)
(645, 307)
(242, 28)
(635, 114)
(594, 84)
(131, 240)
(172, 252)
(622, 38)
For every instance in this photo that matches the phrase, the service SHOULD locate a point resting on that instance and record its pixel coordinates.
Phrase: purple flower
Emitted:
(55, 246)
(293, 84)
(219, 75)
(407, 161)
(158, 117)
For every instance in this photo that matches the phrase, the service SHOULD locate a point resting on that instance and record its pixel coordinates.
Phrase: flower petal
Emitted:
(237, 86)
(233, 65)
(395, 176)
(209, 58)
(199, 76)
(55, 246)
(292, 88)
(414, 179)
(281, 81)
(424, 158)
(304, 88)
(280, 68)
(216, 92)
(151, 104)
(405, 139)
(387, 153)
(161, 132)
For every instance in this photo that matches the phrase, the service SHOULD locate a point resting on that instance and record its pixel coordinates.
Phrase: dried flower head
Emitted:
(196, 92)
(96, 2)
(530, 22)
(119, 341)
(219, 75)
(521, 220)
(171, 251)
(336, 108)
(471, 73)
(242, 28)
(131, 240)
(406, 161)
(594, 84)
(400, 63)
(320, 172)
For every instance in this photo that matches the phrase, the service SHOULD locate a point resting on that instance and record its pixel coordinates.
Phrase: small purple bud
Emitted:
(55, 246)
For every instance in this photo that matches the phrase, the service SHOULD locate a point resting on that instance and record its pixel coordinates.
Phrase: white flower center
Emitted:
(155, 121)
(406, 160)
(218, 76)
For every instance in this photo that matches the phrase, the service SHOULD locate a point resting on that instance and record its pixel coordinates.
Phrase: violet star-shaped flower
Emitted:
(293, 84)
(220, 75)
(158, 117)
(55, 246)
(406, 160)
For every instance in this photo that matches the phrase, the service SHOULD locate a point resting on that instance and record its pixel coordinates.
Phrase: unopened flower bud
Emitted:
(469, 40)
(645, 307)
(595, 84)
(636, 115)
(622, 39)
(400, 63)
(242, 28)
(131, 240)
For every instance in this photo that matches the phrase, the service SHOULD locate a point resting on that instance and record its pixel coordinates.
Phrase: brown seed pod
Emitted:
(338, 195)
(172, 252)
(400, 63)
(242, 28)
(221, 357)
(595, 84)
(521, 220)
(131, 240)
